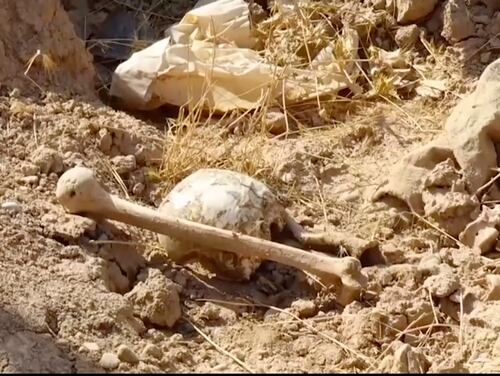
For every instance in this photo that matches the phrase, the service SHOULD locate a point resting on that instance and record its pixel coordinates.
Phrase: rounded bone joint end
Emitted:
(79, 191)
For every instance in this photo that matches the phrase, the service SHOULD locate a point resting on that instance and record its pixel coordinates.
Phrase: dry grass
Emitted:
(45, 62)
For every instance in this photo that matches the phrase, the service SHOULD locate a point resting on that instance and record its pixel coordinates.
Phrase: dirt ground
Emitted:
(78, 295)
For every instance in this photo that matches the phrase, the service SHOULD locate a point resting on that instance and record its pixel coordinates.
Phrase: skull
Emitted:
(227, 200)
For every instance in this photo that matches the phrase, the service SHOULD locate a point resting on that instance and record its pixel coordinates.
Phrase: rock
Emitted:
(495, 43)
(485, 57)
(485, 240)
(304, 308)
(393, 254)
(68, 227)
(457, 23)
(303, 345)
(109, 361)
(148, 155)
(271, 314)
(115, 280)
(469, 47)
(451, 305)
(409, 360)
(378, 4)
(409, 11)
(391, 324)
(481, 233)
(124, 164)
(480, 31)
(72, 159)
(48, 160)
(11, 206)
(407, 36)
(442, 285)
(275, 121)
(156, 300)
(105, 140)
(151, 350)
(126, 319)
(493, 281)
(126, 354)
(215, 312)
(148, 368)
(28, 168)
(493, 26)
(486, 315)
(430, 263)
(31, 180)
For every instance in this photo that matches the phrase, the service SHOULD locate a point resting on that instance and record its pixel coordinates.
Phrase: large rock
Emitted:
(407, 36)
(457, 23)
(409, 11)
(156, 299)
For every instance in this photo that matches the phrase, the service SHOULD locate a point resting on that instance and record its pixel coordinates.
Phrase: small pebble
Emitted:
(275, 122)
(152, 350)
(48, 160)
(124, 164)
(109, 361)
(304, 308)
(32, 180)
(91, 346)
(442, 285)
(12, 206)
(30, 169)
(485, 57)
(105, 140)
(126, 354)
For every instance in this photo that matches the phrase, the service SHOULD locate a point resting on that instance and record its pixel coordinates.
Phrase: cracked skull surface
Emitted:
(227, 200)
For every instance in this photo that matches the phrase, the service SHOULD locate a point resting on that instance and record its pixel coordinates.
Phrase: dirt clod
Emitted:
(304, 308)
(407, 36)
(442, 285)
(109, 361)
(457, 23)
(151, 350)
(409, 360)
(156, 299)
(126, 354)
(124, 164)
(48, 160)
(413, 10)
(213, 313)
(493, 281)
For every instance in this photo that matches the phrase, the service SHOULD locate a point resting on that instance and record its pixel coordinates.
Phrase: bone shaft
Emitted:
(243, 245)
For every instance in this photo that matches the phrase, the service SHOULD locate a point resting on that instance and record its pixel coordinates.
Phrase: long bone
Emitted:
(80, 193)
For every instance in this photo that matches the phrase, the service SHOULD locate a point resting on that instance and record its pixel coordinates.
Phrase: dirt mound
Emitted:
(42, 42)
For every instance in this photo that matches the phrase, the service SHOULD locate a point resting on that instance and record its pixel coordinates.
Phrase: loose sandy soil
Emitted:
(65, 281)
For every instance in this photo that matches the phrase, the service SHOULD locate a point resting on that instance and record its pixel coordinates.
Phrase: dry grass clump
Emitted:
(295, 38)
(192, 144)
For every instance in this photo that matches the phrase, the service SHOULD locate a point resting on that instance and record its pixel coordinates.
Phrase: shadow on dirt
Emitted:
(23, 350)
